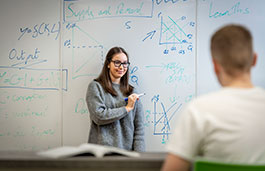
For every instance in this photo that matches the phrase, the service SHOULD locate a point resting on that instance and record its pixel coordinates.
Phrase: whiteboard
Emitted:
(30, 75)
(64, 43)
(160, 44)
(213, 14)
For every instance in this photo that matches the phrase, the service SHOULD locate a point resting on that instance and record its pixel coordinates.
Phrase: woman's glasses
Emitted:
(119, 63)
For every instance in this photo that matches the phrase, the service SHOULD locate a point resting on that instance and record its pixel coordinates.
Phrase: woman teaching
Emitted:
(114, 121)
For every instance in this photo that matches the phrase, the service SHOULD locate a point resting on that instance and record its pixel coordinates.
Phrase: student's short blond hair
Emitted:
(232, 47)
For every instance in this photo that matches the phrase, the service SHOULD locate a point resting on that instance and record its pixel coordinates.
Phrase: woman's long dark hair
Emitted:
(104, 77)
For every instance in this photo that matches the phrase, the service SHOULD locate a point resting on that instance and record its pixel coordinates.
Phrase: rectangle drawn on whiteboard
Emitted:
(34, 79)
(80, 10)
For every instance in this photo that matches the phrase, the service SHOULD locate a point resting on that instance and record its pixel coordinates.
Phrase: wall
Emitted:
(51, 50)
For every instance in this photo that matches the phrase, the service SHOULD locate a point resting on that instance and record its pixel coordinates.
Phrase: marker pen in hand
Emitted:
(126, 99)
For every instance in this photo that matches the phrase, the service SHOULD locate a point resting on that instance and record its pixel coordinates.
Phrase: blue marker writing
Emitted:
(126, 99)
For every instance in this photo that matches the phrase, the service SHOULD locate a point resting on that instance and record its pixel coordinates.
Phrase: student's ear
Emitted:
(254, 61)
(216, 66)
(219, 72)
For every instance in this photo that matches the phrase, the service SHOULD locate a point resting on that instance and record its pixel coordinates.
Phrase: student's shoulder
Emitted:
(207, 99)
(259, 90)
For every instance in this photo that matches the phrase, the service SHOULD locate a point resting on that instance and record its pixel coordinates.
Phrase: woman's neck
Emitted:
(115, 80)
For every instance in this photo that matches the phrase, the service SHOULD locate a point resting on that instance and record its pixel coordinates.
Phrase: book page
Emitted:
(101, 151)
(60, 152)
(93, 149)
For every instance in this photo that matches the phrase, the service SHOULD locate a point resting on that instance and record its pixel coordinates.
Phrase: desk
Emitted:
(29, 161)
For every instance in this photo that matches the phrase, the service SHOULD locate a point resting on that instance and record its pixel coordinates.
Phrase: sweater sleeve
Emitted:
(138, 140)
(100, 114)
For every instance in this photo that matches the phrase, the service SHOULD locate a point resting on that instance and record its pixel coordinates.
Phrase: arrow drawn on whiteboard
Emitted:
(150, 34)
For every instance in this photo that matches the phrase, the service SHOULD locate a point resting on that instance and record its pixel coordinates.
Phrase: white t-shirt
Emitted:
(228, 126)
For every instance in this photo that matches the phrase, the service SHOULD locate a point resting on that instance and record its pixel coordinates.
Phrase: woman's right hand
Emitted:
(131, 101)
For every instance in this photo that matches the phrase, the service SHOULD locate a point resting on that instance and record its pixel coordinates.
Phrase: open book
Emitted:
(86, 150)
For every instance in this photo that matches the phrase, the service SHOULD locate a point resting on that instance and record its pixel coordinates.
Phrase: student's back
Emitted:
(228, 126)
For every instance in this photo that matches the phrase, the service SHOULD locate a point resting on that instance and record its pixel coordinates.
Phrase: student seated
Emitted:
(227, 125)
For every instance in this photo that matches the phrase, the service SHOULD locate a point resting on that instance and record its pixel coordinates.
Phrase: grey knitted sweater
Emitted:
(111, 124)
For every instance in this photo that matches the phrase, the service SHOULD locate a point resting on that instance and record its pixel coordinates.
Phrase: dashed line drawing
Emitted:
(84, 54)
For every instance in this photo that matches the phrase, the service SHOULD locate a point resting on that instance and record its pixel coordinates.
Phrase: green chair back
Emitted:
(204, 165)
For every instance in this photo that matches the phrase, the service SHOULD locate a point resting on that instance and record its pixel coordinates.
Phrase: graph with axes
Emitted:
(177, 33)
(160, 117)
